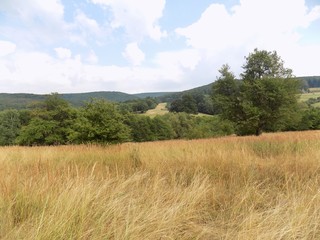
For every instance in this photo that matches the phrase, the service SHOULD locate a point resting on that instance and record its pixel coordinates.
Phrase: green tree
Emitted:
(99, 121)
(50, 124)
(181, 123)
(186, 103)
(226, 94)
(141, 128)
(264, 64)
(161, 128)
(10, 125)
(310, 119)
(265, 98)
(210, 126)
(204, 104)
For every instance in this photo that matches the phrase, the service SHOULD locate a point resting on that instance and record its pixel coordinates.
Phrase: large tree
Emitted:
(10, 124)
(100, 121)
(264, 64)
(50, 123)
(263, 100)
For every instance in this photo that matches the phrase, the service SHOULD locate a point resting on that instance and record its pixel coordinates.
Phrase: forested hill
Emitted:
(203, 90)
(308, 82)
(311, 81)
(77, 99)
(24, 100)
(153, 94)
(18, 100)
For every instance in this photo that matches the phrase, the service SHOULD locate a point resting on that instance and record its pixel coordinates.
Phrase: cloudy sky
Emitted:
(147, 45)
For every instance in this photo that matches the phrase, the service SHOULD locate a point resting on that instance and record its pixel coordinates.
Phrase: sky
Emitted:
(133, 46)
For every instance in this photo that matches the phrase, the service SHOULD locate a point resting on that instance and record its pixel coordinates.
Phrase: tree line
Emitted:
(55, 122)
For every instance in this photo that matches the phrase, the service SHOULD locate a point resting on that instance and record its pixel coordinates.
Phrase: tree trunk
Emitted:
(258, 131)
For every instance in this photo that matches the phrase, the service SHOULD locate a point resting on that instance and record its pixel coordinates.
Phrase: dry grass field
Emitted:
(265, 187)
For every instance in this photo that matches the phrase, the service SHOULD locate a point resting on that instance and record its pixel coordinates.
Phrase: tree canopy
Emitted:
(263, 99)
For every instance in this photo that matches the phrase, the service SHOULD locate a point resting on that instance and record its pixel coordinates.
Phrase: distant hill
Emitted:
(308, 81)
(153, 94)
(311, 81)
(24, 100)
(203, 90)
(77, 99)
(18, 100)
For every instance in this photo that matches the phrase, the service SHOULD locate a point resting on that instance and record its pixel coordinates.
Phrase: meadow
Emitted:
(160, 109)
(306, 96)
(265, 187)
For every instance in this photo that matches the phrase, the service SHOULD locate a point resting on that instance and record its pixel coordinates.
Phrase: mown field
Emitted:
(160, 109)
(305, 96)
(314, 93)
(265, 187)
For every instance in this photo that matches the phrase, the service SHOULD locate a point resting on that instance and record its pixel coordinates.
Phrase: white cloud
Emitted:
(36, 72)
(63, 53)
(86, 24)
(6, 48)
(139, 17)
(35, 22)
(92, 57)
(314, 14)
(29, 9)
(134, 54)
(266, 24)
(177, 64)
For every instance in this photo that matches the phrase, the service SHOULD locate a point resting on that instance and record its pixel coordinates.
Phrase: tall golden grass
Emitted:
(265, 187)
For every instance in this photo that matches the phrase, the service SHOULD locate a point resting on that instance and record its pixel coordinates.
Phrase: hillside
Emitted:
(307, 81)
(18, 100)
(202, 90)
(311, 81)
(77, 99)
(23, 100)
(152, 94)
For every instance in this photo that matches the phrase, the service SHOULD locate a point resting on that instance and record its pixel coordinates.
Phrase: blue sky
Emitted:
(147, 45)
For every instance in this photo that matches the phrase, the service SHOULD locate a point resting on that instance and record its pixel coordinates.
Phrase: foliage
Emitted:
(162, 129)
(138, 105)
(311, 101)
(99, 122)
(79, 99)
(18, 100)
(50, 124)
(226, 94)
(54, 122)
(263, 64)
(264, 100)
(10, 124)
(141, 128)
(193, 102)
(186, 104)
(310, 119)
